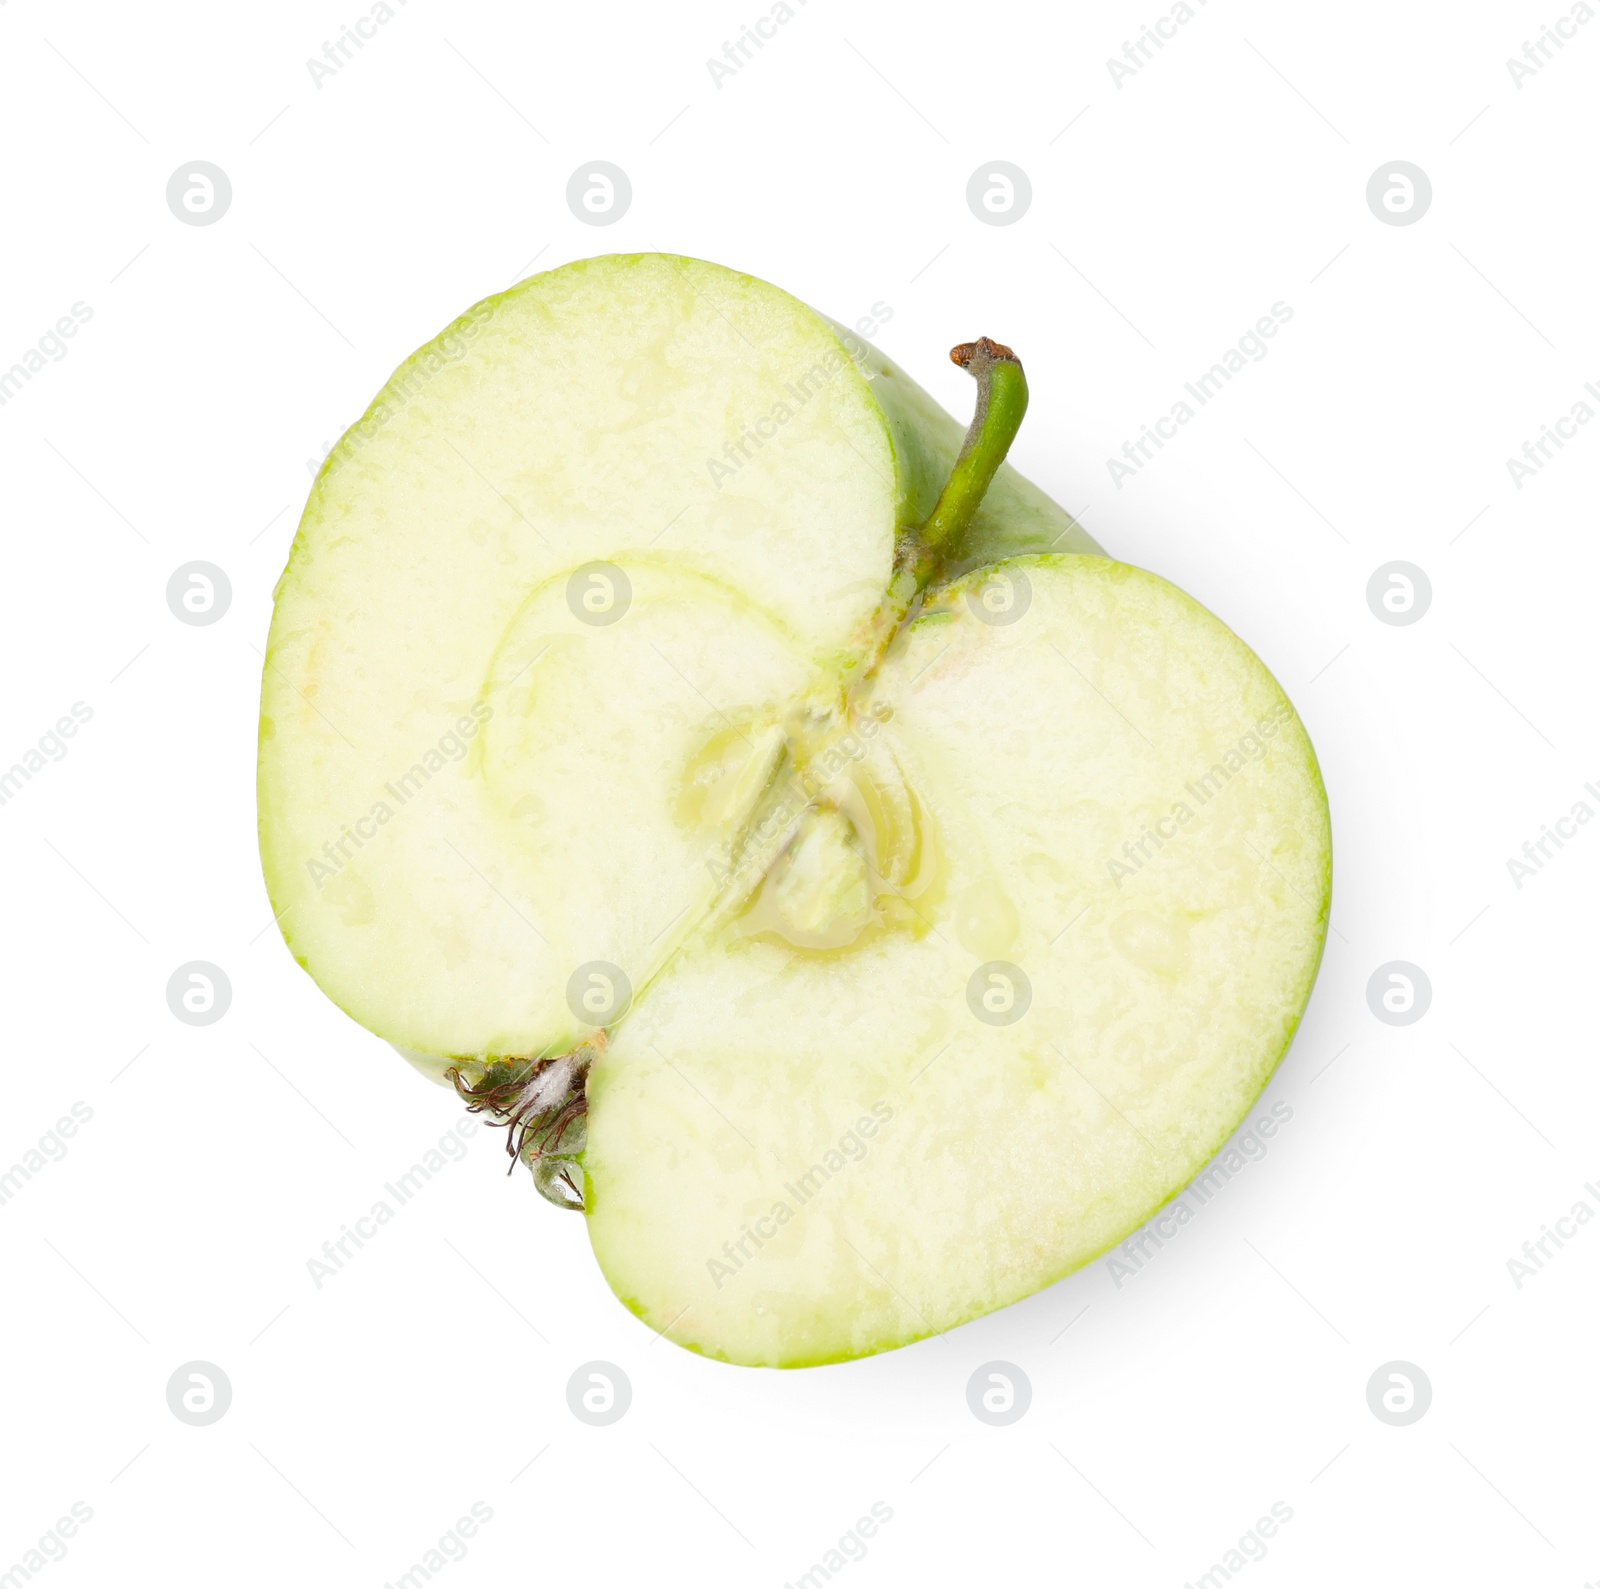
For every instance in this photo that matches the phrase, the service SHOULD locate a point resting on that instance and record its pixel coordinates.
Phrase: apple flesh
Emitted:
(867, 1146)
(866, 910)
(638, 410)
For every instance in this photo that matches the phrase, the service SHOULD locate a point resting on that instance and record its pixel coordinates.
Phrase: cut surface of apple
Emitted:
(797, 1157)
(647, 412)
(910, 919)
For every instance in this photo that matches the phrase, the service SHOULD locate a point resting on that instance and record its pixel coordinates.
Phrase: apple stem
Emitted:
(1002, 401)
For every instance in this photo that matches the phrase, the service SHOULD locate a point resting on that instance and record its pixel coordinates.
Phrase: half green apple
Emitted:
(862, 898)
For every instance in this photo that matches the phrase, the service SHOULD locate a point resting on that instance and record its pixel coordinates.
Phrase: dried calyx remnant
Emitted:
(542, 1102)
(543, 1106)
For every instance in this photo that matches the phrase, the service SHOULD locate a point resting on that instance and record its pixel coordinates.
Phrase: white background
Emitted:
(1168, 214)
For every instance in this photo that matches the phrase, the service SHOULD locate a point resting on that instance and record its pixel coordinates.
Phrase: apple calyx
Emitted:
(542, 1103)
